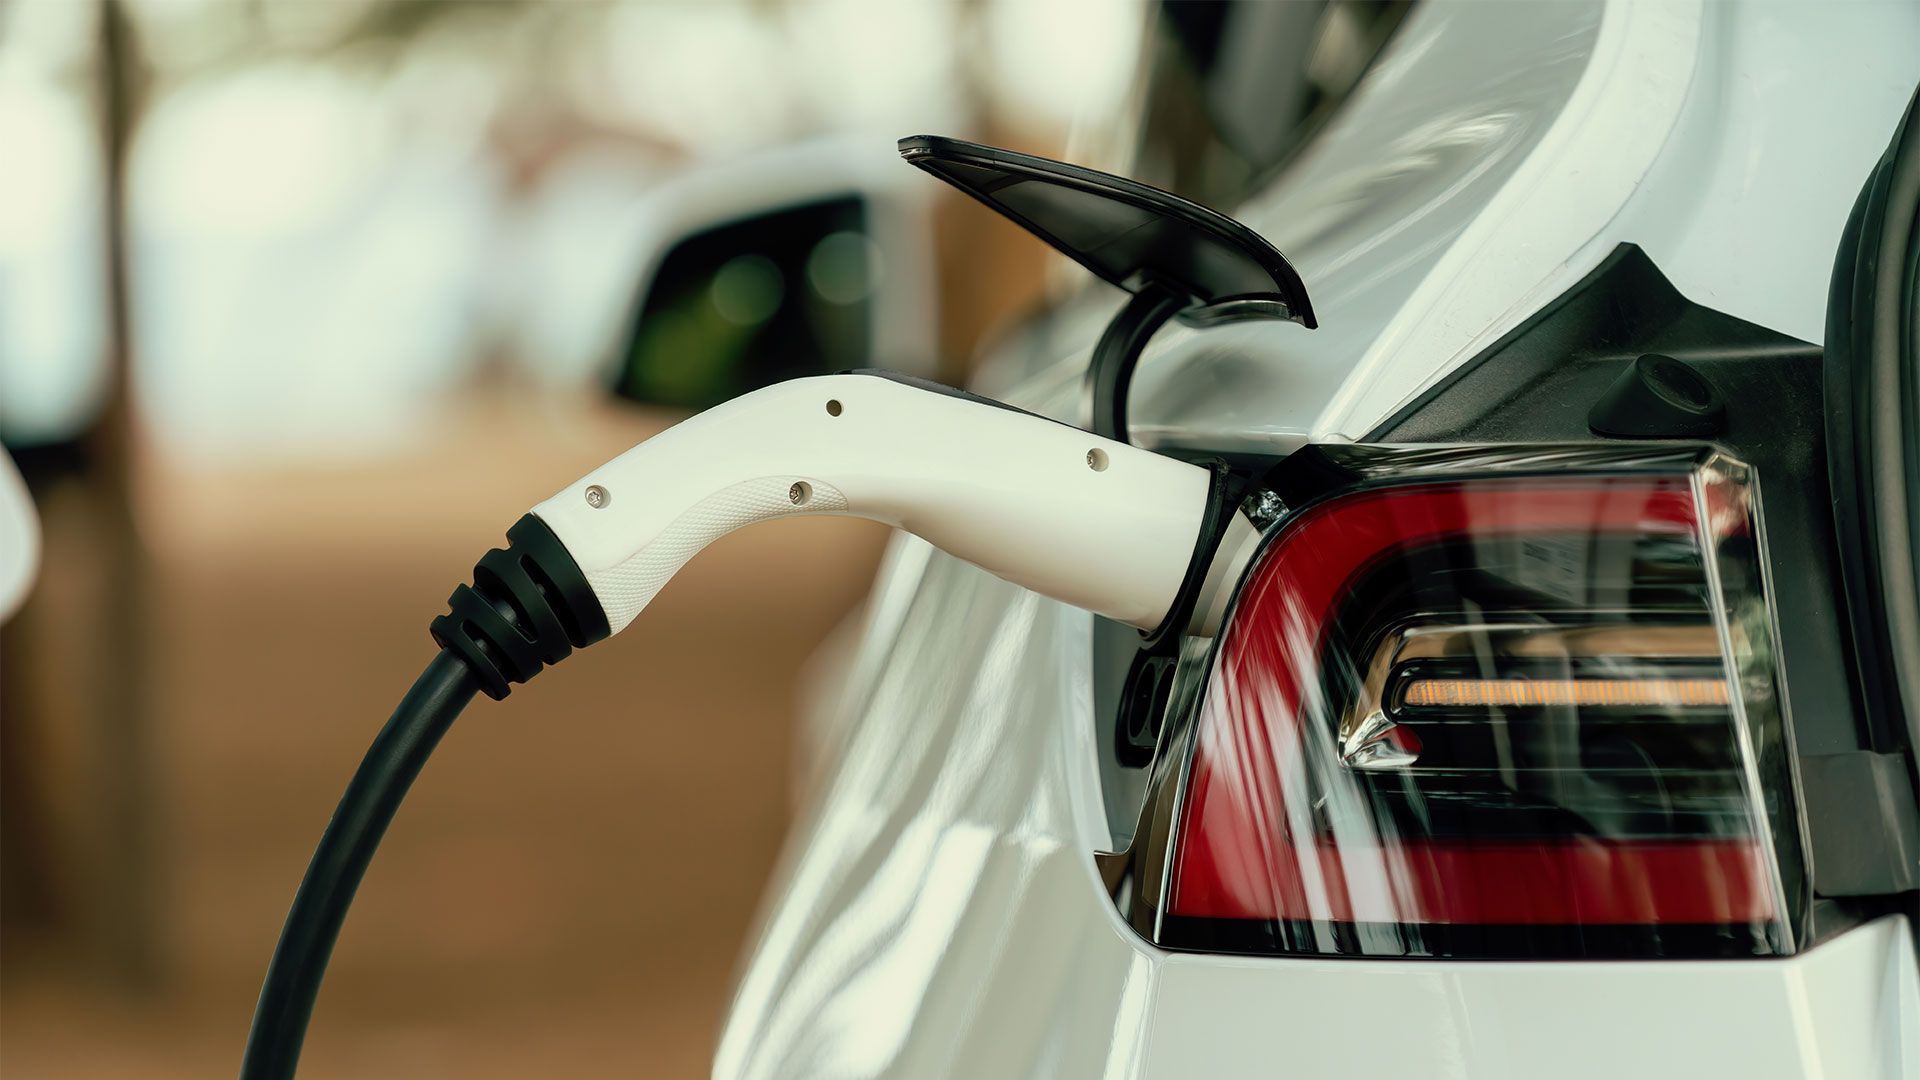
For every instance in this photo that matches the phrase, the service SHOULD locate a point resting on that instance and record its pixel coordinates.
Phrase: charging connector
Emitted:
(1086, 520)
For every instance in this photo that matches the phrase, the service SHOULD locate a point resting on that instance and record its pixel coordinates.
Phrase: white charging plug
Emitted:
(1093, 522)
(1082, 519)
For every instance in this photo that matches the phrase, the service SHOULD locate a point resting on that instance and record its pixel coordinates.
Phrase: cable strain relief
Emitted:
(528, 606)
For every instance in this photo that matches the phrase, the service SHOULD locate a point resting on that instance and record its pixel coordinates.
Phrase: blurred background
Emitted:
(302, 302)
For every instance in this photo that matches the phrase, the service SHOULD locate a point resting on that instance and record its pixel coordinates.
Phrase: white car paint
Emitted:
(1850, 1008)
(938, 913)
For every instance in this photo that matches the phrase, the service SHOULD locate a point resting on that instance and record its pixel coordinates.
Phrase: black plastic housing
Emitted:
(1131, 235)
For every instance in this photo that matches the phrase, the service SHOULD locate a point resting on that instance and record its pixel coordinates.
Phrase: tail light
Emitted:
(1470, 712)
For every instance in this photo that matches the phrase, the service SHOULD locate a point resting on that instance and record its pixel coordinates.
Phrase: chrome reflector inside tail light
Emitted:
(1465, 711)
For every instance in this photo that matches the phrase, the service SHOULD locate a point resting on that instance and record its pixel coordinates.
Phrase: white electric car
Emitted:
(1563, 724)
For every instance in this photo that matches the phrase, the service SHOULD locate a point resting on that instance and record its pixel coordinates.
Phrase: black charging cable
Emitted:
(528, 606)
(365, 811)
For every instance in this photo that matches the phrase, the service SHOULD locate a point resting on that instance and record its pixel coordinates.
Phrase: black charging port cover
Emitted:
(1176, 258)
(1132, 235)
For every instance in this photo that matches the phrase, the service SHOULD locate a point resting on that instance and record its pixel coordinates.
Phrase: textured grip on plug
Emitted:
(625, 589)
(529, 606)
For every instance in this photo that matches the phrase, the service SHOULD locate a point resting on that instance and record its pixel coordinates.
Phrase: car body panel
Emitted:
(938, 912)
(1850, 1008)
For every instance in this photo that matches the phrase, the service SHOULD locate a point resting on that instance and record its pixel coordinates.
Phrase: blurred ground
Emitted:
(247, 250)
(566, 890)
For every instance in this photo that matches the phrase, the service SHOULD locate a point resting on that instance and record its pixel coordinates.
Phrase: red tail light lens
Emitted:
(1492, 717)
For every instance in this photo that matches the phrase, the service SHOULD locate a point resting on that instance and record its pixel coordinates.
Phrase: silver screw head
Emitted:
(597, 496)
(797, 494)
(1263, 508)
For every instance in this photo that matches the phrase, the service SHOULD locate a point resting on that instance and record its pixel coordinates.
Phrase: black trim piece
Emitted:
(1658, 397)
(1873, 423)
(1143, 706)
(1866, 840)
(1692, 941)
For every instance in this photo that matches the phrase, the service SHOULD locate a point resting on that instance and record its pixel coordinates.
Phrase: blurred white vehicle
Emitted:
(19, 538)
(1580, 745)
(797, 260)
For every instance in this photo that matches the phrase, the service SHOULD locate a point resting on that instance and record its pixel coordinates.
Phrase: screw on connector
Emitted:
(1263, 508)
(597, 496)
(799, 493)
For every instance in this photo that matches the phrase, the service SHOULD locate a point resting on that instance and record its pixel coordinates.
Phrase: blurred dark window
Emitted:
(1235, 88)
(754, 302)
